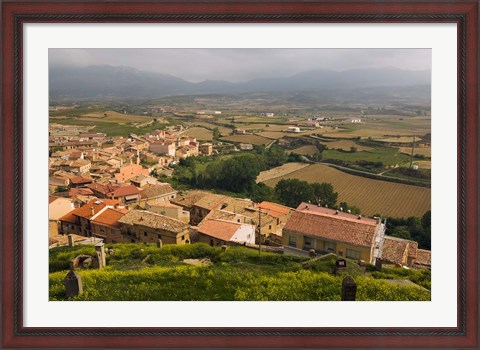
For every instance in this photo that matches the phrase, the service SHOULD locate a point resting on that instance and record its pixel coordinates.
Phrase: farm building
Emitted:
(354, 120)
(330, 231)
(206, 149)
(293, 129)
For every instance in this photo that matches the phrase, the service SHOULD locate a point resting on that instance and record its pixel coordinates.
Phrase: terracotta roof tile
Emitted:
(394, 250)
(85, 211)
(109, 217)
(152, 191)
(190, 198)
(80, 180)
(126, 191)
(219, 229)
(424, 257)
(274, 209)
(331, 227)
(307, 207)
(153, 220)
(211, 201)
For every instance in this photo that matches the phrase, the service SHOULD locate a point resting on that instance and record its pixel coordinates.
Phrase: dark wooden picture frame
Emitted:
(464, 13)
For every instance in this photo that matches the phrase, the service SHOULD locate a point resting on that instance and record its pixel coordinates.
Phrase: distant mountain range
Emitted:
(126, 82)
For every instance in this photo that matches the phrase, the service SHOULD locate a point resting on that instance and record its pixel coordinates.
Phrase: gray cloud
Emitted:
(242, 64)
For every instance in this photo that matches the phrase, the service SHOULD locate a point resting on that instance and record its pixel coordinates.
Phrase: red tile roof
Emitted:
(85, 211)
(331, 227)
(220, 229)
(126, 191)
(80, 192)
(307, 207)
(103, 189)
(110, 217)
(274, 209)
(80, 180)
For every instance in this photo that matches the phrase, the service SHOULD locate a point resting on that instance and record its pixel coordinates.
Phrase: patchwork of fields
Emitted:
(253, 139)
(371, 196)
(201, 134)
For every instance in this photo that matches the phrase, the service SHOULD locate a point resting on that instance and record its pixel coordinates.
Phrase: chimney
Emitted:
(336, 212)
(92, 212)
(379, 221)
(359, 216)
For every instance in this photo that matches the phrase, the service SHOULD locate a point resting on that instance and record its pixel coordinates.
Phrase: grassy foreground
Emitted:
(144, 272)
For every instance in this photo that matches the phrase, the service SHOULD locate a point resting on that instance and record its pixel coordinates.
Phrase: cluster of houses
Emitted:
(78, 158)
(199, 216)
(99, 190)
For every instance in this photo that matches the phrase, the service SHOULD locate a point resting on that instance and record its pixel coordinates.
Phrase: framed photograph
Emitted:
(240, 174)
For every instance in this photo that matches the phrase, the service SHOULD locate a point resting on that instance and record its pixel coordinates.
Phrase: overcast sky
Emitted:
(237, 65)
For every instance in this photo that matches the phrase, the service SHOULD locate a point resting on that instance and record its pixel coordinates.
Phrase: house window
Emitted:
(211, 242)
(159, 236)
(183, 238)
(329, 246)
(292, 241)
(307, 241)
(269, 227)
(145, 233)
(353, 254)
(113, 241)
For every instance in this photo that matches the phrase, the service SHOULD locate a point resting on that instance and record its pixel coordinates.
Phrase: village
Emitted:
(105, 190)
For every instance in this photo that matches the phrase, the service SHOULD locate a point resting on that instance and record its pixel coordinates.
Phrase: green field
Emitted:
(386, 155)
(111, 128)
(145, 272)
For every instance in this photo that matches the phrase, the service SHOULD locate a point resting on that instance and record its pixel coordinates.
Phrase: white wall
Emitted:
(243, 233)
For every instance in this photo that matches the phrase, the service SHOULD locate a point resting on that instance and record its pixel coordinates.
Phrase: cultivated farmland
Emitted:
(253, 139)
(371, 196)
(306, 150)
(272, 134)
(201, 134)
(424, 151)
(346, 145)
(281, 170)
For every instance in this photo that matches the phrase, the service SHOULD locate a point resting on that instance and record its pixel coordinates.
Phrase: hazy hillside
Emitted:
(124, 82)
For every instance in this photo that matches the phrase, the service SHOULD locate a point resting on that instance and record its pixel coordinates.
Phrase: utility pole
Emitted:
(411, 156)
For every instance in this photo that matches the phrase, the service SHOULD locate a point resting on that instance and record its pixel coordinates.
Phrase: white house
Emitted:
(293, 129)
(219, 232)
(355, 120)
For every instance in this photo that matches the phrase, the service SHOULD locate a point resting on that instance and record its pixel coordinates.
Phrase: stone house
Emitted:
(398, 251)
(105, 224)
(78, 220)
(330, 231)
(145, 226)
(206, 149)
(126, 194)
(162, 192)
(130, 171)
(168, 209)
